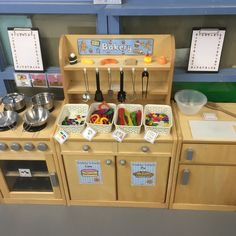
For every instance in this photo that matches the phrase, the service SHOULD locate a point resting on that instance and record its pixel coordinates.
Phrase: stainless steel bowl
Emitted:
(14, 101)
(45, 100)
(36, 116)
(8, 118)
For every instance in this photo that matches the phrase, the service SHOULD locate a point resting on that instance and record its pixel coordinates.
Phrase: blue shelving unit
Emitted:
(108, 21)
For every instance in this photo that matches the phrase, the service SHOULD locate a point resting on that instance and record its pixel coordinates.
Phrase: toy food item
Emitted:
(87, 61)
(107, 61)
(162, 60)
(129, 118)
(72, 59)
(131, 62)
(121, 116)
(147, 58)
(78, 120)
(103, 115)
(157, 119)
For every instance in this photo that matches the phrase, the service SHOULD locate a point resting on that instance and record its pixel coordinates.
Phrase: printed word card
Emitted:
(25, 48)
(205, 51)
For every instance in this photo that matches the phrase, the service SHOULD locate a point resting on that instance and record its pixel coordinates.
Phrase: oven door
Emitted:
(29, 178)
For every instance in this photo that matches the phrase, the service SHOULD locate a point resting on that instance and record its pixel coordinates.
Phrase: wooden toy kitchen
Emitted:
(115, 140)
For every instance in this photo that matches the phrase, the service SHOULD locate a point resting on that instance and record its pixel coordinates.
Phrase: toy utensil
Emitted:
(215, 106)
(145, 76)
(98, 94)
(86, 96)
(121, 94)
(110, 91)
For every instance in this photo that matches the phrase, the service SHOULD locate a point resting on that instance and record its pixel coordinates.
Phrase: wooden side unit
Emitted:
(205, 169)
(160, 76)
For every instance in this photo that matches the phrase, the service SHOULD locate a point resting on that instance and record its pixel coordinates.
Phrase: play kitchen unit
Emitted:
(128, 72)
(29, 170)
(117, 140)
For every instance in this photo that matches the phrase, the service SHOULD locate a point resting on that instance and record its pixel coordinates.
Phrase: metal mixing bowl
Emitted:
(46, 100)
(36, 116)
(8, 118)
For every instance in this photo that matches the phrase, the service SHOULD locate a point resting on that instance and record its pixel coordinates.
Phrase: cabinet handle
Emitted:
(108, 162)
(185, 177)
(122, 162)
(85, 147)
(54, 179)
(189, 155)
(145, 149)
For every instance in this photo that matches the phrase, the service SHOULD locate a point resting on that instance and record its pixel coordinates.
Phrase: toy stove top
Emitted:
(21, 130)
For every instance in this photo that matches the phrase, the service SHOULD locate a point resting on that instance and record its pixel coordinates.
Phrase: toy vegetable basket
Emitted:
(162, 118)
(101, 128)
(72, 117)
(129, 108)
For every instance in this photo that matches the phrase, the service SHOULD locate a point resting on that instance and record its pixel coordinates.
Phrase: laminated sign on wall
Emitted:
(25, 48)
(206, 48)
(143, 173)
(89, 172)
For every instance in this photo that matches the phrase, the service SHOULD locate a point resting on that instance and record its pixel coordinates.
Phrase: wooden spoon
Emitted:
(215, 106)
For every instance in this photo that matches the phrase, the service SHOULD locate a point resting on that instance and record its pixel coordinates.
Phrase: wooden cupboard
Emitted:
(105, 187)
(205, 170)
(132, 173)
(152, 192)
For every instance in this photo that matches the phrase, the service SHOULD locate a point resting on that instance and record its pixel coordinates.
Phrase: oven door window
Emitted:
(26, 176)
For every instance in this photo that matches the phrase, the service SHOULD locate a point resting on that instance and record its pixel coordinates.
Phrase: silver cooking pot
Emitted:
(45, 100)
(14, 101)
(36, 116)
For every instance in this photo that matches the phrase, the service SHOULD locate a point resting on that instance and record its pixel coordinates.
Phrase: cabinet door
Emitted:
(198, 184)
(29, 179)
(142, 178)
(90, 177)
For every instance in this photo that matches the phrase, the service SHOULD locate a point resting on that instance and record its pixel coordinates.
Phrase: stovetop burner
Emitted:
(29, 128)
(18, 111)
(5, 128)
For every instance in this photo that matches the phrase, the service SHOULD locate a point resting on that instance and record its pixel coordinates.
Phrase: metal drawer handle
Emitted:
(85, 147)
(145, 149)
(185, 177)
(54, 179)
(189, 153)
(108, 162)
(123, 162)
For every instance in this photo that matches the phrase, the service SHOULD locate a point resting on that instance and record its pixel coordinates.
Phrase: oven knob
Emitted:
(42, 147)
(3, 146)
(15, 146)
(28, 146)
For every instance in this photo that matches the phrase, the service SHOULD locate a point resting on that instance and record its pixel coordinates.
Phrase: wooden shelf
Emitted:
(160, 76)
(140, 65)
(34, 174)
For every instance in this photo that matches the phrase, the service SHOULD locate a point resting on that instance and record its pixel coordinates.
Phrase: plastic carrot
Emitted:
(139, 117)
(121, 116)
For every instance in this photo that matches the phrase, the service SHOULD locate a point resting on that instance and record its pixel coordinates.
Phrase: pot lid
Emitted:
(13, 98)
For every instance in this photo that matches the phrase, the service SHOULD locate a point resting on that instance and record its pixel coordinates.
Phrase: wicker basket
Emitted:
(165, 109)
(101, 128)
(72, 110)
(129, 108)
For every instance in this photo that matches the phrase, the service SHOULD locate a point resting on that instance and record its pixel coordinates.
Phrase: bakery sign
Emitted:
(136, 46)
(89, 172)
